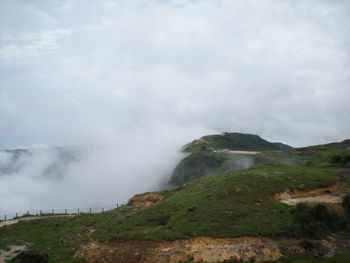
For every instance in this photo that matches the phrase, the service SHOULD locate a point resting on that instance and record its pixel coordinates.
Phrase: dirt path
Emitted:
(14, 221)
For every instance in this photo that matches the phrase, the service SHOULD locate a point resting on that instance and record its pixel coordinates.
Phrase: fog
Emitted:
(132, 81)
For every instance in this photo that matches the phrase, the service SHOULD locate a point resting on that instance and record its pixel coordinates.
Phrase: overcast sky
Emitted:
(140, 78)
(77, 72)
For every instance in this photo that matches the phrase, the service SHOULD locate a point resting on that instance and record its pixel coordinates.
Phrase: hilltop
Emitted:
(233, 141)
(215, 154)
(270, 211)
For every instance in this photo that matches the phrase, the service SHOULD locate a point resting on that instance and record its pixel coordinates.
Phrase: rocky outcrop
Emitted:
(197, 249)
(145, 200)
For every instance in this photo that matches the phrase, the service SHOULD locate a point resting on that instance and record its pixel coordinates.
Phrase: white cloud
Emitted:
(32, 44)
(144, 77)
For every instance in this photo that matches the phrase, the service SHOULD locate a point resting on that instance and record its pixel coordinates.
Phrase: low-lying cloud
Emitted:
(141, 78)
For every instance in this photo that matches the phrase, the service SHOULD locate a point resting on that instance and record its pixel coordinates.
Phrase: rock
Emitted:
(145, 200)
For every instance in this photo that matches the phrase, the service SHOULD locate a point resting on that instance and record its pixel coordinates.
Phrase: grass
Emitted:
(56, 237)
(331, 158)
(228, 205)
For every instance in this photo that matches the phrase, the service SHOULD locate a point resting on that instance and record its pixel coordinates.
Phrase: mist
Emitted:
(131, 82)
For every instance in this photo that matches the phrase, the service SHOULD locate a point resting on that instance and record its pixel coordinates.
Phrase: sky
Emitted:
(144, 77)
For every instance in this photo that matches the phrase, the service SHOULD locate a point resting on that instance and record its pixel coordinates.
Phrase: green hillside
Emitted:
(229, 205)
(328, 155)
(210, 155)
(201, 164)
(233, 141)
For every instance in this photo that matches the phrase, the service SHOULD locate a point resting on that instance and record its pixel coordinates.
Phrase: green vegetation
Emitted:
(233, 141)
(56, 237)
(316, 221)
(203, 164)
(327, 155)
(331, 158)
(207, 157)
(228, 205)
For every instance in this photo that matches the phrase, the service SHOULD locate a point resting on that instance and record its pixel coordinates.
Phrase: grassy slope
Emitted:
(227, 205)
(327, 155)
(203, 161)
(202, 164)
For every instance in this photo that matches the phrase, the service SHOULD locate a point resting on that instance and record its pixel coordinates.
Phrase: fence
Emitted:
(52, 212)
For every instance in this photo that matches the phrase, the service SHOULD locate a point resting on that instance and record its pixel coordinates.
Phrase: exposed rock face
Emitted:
(145, 200)
(196, 249)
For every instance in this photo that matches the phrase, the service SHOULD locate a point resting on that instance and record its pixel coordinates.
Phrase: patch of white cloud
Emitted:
(32, 44)
(142, 78)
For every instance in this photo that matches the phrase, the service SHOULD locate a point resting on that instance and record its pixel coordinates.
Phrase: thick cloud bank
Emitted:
(140, 78)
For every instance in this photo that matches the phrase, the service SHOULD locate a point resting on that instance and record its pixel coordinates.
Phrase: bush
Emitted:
(346, 204)
(315, 221)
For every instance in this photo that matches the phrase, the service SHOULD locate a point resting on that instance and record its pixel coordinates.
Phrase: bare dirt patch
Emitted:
(145, 200)
(196, 249)
(327, 195)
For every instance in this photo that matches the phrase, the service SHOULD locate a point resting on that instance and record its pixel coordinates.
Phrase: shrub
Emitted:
(315, 221)
(346, 204)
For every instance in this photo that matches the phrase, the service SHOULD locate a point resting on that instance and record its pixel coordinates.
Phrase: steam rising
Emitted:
(135, 80)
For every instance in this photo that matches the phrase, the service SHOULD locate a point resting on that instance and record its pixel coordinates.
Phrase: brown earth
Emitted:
(195, 249)
(145, 200)
(331, 195)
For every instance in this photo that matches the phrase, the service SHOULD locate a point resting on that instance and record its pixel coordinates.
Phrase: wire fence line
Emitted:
(53, 212)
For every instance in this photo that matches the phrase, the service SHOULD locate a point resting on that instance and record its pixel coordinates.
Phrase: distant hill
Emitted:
(335, 154)
(211, 155)
(61, 158)
(234, 141)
